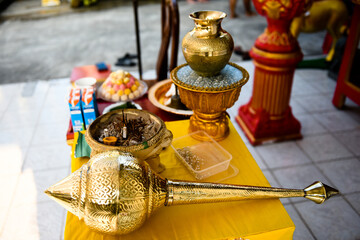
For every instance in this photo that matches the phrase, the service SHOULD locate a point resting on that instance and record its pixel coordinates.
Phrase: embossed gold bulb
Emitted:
(115, 194)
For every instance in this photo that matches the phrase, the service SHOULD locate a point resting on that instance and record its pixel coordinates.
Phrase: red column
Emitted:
(268, 116)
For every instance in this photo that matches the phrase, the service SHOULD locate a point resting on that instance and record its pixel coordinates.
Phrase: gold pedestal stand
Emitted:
(209, 97)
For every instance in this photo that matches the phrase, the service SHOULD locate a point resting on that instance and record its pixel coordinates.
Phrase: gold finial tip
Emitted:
(49, 192)
(319, 192)
(330, 191)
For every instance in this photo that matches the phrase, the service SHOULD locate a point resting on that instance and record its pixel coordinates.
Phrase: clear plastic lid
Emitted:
(202, 158)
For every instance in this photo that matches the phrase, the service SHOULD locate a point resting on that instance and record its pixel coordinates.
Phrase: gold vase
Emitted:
(207, 48)
(116, 194)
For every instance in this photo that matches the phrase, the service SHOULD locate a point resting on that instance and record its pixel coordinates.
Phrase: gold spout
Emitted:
(64, 194)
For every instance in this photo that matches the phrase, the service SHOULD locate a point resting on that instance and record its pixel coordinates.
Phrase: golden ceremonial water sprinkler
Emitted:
(115, 194)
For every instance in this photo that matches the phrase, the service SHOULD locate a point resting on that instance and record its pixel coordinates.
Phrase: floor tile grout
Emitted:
(332, 134)
(8, 105)
(350, 204)
(335, 160)
(330, 182)
(36, 125)
(352, 193)
(314, 163)
(303, 220)
(10, 205)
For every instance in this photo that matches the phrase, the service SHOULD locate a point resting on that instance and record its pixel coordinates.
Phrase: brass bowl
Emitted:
(148, 150)
(157, 96)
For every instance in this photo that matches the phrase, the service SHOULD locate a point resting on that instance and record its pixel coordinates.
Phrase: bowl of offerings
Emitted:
(130, 130)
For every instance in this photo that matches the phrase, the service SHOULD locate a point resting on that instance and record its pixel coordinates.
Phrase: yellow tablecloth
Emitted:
(256, 219)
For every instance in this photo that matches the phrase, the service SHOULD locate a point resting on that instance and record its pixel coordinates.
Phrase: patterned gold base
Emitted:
(210, 103)
(217, 128)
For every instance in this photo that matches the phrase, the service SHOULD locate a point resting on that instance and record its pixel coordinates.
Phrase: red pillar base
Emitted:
(268, 116)
(260, 128)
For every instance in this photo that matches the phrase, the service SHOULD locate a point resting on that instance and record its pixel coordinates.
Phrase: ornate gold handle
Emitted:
(192, 192)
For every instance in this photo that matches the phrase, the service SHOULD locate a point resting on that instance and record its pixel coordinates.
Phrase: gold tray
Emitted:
(157, 97)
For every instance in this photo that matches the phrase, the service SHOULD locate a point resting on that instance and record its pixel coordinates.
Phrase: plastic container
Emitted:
(202, 158)
(85, 82)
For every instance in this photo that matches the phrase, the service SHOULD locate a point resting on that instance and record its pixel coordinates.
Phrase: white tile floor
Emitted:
(32, 114)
